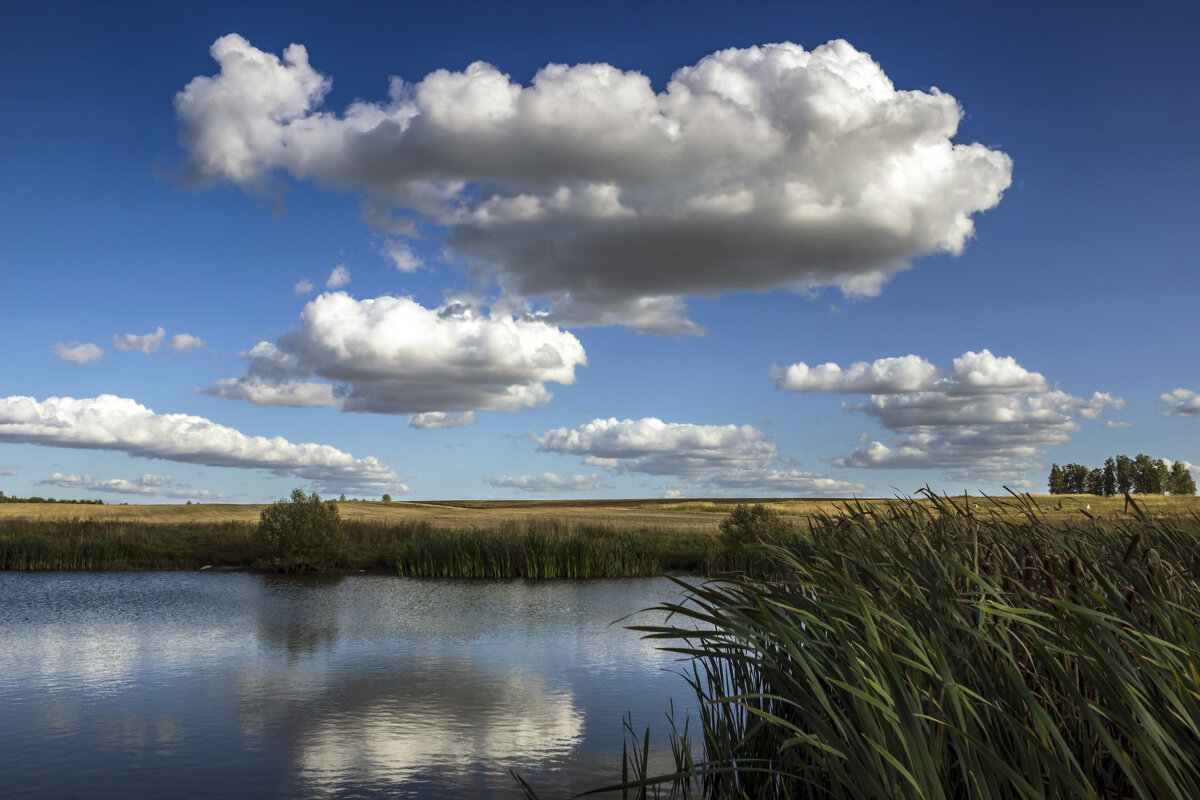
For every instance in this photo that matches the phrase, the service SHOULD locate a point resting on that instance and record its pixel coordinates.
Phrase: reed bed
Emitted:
(535, 548)
(112, 545)
(538, 551)
(939, 650)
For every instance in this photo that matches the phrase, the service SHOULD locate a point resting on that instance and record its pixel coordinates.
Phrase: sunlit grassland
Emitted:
(941, 650)
(699, 513)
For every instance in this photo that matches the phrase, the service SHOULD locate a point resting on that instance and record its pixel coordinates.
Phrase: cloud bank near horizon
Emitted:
(108, 422)
(147, 485)
(719, 459)
(987, 418)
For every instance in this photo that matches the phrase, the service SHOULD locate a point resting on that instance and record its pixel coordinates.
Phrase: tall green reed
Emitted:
(941, 651)
(538, 551)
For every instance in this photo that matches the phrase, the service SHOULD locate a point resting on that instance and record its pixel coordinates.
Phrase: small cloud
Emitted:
(148, 485)
(302, 287)
(1183, 402)
(547, 482)
(185, 341)
(76, 352)
(338, 278)
(441, 419)
(401, 255)
(147, 343)
(1114, 425)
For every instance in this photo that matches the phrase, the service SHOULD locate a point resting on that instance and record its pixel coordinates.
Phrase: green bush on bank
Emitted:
(300, 533)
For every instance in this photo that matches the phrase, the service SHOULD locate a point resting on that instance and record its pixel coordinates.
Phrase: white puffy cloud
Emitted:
(108, 422)
(267, 393)
(302, 287)
(984, 373)
(905, 374)
(547, 482)
(339, 276)
(988, 418)
(77, 352)
(1183, 402)
(654, 447)
(441, 419)
(148, 484)
(725, 457)
(1115, 425)
(147, 343)
(391, 355)
(755, 168)
(185, 341)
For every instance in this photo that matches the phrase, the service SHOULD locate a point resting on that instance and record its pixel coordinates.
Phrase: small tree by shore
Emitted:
(300, 533)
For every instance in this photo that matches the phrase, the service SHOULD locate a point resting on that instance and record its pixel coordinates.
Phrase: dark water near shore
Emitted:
(198, 685)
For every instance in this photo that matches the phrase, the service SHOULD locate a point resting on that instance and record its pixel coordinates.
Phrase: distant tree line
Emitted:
(6, 499)
(1139, 475)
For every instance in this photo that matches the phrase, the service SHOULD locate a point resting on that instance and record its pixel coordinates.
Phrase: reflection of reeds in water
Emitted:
(945, 651)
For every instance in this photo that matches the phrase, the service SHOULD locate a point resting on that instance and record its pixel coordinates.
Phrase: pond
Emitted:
(197, 685)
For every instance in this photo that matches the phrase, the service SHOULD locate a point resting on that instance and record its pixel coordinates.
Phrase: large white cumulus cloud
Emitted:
(108, 422)
(755, 168)
(986, 419)
(735, 459)
(391, 355)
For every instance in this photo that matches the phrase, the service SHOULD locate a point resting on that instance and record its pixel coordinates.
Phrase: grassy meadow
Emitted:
(478, 538)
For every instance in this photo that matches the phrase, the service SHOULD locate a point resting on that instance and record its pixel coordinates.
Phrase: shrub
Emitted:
(300, 533)
(748, 524)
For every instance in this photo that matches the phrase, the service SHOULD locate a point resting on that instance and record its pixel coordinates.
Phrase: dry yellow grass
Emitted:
(692, 514)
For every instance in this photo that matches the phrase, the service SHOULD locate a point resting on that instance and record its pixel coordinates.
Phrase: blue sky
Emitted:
(411, 257)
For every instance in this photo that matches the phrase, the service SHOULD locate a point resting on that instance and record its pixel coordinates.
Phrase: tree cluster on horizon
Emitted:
(6, 499)
(1139, 475)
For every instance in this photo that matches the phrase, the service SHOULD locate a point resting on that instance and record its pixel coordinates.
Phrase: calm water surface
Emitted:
(192, 685)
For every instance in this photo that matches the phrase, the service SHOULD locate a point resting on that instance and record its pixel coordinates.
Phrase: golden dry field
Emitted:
(692, 514)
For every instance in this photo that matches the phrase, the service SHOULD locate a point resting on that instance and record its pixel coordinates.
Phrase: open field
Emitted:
(487, 538)
(691, 514)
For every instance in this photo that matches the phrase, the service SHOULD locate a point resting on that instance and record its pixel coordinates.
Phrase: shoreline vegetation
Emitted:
(472, 539)
(940, 649)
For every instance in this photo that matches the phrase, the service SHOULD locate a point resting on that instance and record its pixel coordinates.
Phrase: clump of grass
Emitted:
(934, 649)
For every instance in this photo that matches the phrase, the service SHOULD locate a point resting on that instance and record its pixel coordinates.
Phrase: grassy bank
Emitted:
(536, 548)
(937, 650)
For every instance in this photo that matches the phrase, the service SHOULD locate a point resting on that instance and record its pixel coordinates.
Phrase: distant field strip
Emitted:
(694, 514)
